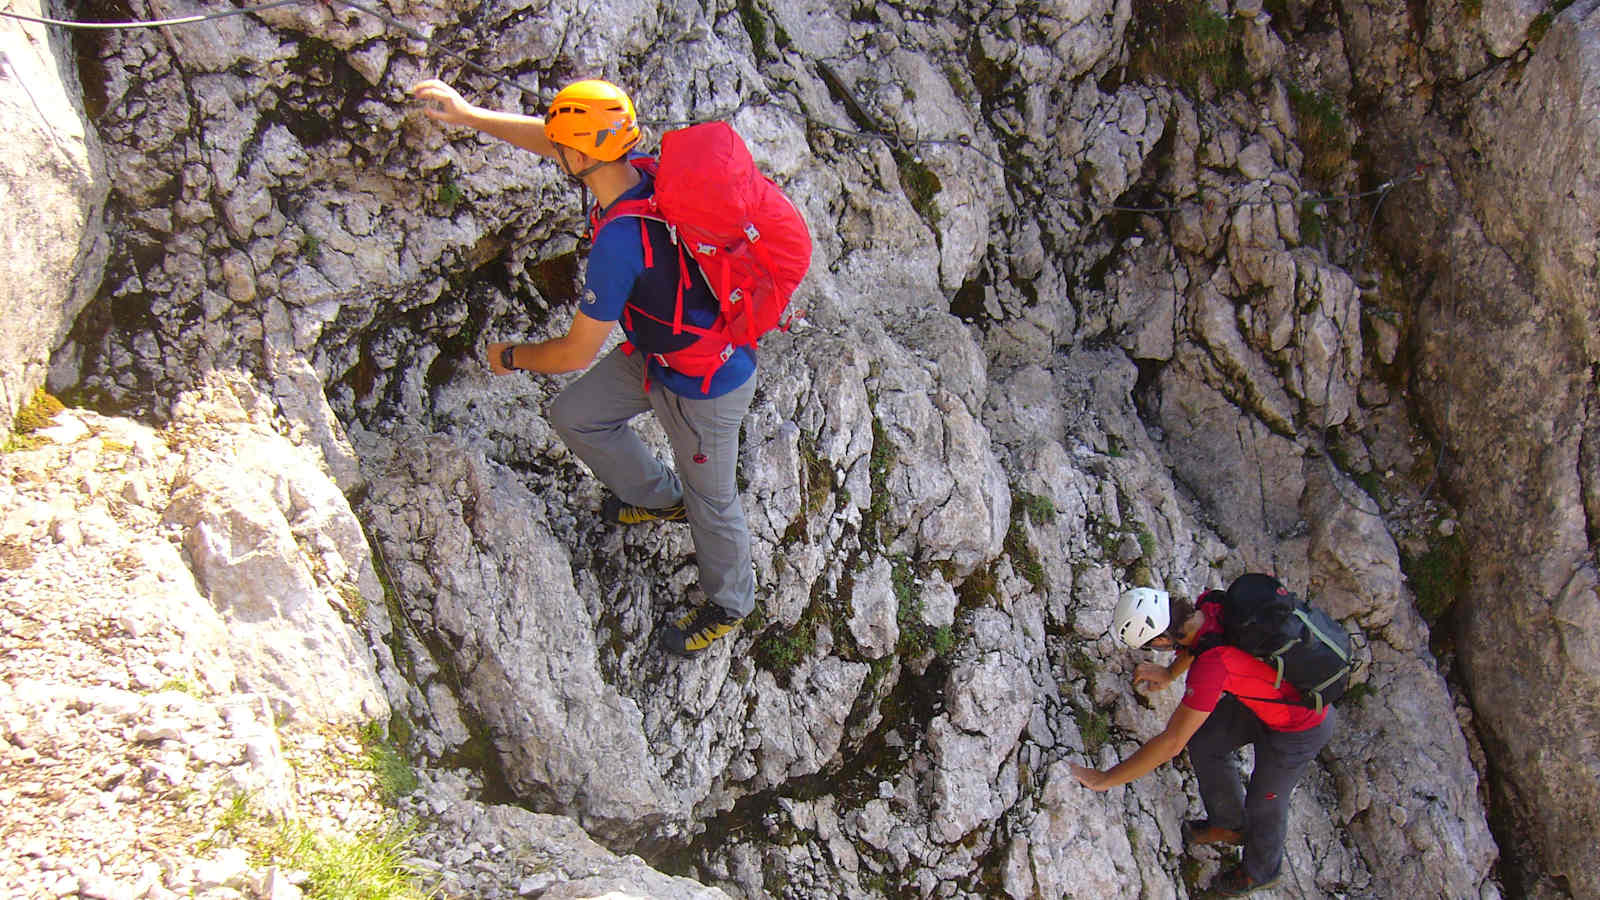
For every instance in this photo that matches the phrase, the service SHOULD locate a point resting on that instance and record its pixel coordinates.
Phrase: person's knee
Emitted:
(566, 416)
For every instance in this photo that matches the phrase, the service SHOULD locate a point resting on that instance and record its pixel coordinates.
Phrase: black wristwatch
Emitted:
(505, 358)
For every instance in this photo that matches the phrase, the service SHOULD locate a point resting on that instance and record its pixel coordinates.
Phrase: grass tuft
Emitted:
(1438, 575)
(1190, 45)
(396, 778)
(1028, 508)
(372, 867)
(1324, 137)
(1095, 727)
(36, 414)
(450, 195)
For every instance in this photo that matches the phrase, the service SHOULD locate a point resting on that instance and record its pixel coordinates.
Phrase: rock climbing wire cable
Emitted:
(148, 23)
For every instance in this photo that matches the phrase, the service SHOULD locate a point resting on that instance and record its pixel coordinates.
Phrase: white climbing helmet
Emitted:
(1142, 614)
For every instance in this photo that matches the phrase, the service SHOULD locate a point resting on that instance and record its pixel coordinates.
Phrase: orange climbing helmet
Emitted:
(595, 117)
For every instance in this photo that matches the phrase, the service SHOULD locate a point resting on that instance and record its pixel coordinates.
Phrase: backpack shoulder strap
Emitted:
(640, 208)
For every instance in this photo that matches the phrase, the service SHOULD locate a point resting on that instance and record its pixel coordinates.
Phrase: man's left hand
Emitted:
(492, 355)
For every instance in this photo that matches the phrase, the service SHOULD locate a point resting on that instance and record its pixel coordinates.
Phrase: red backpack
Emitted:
(749, 241)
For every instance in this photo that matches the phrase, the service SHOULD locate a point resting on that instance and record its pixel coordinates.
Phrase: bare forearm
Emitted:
(1145, 760)
(516, 129)
(553, 357)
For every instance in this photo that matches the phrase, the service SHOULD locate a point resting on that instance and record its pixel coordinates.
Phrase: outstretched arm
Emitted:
(1159, 749)
(447, 105)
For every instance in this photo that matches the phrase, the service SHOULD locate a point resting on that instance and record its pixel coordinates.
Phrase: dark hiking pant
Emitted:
(592, 417)
(1262, 813)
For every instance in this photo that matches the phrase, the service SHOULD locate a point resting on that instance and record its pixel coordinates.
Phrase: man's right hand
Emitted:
(445, 104)
(1149, 677)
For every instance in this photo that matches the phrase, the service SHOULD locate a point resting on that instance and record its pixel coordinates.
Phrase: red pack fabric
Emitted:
(749, 241)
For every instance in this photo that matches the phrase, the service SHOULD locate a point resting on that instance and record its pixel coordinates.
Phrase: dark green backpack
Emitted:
(1309, 648)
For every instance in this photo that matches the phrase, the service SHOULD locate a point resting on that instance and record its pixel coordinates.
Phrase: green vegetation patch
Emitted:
(981, 588)
(1082, 662)
(1540, 26)
(1324, 135)
(755, 25)
(780, 649)
(878, 466)
(450, 195)
(36, 414)
(1095, 726)
(395, 776)
(183, 684)
(1038, 510)
(1356, 694)
(916, 636)
(1313, 224)
(1438, 575)
(339, 867)
(816, 477)
(353, 601)
(921, 186)
(1189, 45)
(369, 867)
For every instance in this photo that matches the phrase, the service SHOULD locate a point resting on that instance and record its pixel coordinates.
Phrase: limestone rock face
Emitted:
(1503, 230)
(1094, 304)
(53, 188)
(274, 546)
(479, 572)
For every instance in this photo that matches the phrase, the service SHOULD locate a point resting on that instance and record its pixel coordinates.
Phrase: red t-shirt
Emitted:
(1229, 670)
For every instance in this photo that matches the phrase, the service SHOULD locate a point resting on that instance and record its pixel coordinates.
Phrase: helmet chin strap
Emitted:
(561, 154)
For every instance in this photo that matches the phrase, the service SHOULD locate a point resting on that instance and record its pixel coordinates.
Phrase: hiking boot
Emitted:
(1235, 883)
(614, 510)
(699, 629)
(1197, 832)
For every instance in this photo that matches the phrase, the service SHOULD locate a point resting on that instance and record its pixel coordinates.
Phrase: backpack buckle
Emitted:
(751, 233)
(727, 351)
(662, 360)
(735, 295)
(706, 249)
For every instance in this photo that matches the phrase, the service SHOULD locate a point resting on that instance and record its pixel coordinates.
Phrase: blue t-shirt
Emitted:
(616, 262)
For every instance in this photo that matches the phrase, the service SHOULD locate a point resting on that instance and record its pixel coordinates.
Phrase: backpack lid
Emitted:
(1255, 591)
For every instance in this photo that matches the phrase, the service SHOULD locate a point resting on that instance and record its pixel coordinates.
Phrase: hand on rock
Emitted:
(1093, 779)
(1149, 677)
(445, 104)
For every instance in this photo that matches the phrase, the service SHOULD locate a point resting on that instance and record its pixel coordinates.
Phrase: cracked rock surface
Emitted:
(1104, 294)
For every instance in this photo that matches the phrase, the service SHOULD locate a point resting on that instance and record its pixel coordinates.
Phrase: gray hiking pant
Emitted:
(592, 416)
(1281, 759)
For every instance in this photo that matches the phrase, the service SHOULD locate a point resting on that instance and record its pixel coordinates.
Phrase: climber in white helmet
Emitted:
(1231, 698)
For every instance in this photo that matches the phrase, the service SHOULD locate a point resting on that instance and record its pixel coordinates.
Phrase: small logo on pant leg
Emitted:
(700, 458)
(1271, 796)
